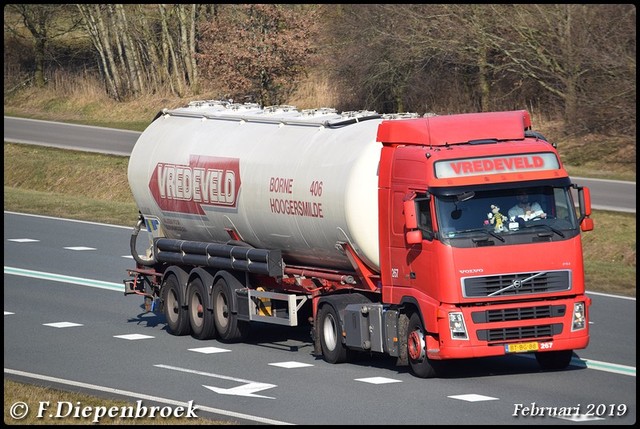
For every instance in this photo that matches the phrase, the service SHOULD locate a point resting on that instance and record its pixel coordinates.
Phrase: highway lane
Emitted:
(606, 194)
(273, 378)
(69, 136)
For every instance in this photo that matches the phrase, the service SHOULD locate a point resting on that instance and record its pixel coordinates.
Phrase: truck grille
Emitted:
(516, 284)
(526, 313)
(519, 333)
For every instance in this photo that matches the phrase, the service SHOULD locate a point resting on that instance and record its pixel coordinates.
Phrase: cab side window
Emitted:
(424, 213)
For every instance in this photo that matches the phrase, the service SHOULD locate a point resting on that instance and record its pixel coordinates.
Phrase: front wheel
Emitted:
(174, 308)
(554, 360)
(421, 366)
(333, 351)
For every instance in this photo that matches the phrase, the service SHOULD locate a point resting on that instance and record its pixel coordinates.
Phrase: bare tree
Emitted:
(257, 52)
(169, 58)
(187, 42)
(577, 61)
(150, 63)
(131, 56)
(464, 36)
(401, 55)
(144, 48)
(45, 23)
(177, 46)
(373, 55)
(560, 47)
(99, 32)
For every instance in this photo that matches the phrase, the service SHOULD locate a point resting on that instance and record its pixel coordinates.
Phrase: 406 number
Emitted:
(316, 188)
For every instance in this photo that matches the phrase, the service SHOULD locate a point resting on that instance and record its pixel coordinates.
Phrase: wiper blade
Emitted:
(482, 230)
(550, 228)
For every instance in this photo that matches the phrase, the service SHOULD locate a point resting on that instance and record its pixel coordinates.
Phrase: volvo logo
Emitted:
(472, 271)
(516, 284)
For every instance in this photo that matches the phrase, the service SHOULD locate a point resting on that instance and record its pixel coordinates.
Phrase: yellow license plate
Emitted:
(521, 347)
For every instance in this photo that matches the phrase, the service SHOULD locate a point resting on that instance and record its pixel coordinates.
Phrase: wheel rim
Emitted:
(222, 310)
(329, 332)
(172, 306)
(196, 310)
(416, 346)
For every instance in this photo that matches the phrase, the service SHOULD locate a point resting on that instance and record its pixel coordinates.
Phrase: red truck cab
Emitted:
(482, 282)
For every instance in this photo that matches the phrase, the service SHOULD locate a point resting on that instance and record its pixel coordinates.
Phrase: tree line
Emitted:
(576, 62)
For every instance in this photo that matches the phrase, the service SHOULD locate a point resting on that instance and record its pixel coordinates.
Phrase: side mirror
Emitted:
(414, 237)
(587, 201)
(584, 201)
(586, 224)
(410, 216)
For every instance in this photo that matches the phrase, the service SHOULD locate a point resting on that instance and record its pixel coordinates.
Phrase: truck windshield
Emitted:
(498, 213)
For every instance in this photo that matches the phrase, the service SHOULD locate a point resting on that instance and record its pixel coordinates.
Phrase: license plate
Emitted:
(521, 347)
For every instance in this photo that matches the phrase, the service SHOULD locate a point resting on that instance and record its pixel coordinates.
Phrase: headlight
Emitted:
(579, 317)
(457, 326)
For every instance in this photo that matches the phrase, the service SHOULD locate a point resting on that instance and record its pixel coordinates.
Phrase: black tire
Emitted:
(421, 366)
(227, 325)
(554, 360)
(174, 308)
(200, 318)
(330, 332)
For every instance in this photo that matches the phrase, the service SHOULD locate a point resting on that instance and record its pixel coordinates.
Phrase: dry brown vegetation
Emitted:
(572, 66)
(595, 155)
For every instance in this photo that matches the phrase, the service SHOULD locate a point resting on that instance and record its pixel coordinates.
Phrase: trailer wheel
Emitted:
(421, 366)
(333, 351)
(200, 318)
(227, 325)
(554, 360)
(174, 310)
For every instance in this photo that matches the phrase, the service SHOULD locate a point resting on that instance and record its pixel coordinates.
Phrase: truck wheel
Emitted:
(200, 318)
(227, 325)
(174, 311)
(554, 360)
(333, 351)
(421, 366)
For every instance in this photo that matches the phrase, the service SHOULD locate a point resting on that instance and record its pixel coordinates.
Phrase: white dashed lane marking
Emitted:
(290, 364)
(133, 336)
(209, 350)
(62, 324)
(472, 397)
(378, 380)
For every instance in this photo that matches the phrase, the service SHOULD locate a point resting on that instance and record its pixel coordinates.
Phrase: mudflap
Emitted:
(403, 325)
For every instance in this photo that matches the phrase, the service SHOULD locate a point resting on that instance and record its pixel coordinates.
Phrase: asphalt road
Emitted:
(68, 324)
(69, 136)
(605, 194)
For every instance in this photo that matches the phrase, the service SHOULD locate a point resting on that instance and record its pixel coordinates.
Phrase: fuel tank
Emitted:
(277, 178)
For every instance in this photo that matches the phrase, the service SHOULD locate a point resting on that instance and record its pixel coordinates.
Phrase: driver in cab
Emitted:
(525, 209)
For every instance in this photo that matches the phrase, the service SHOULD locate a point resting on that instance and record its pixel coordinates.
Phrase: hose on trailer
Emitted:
(146, 261)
